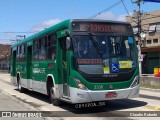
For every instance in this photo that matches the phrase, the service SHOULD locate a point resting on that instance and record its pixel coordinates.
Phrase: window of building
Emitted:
(155, 40)
(149, 41)
(152, 28)
(158, 28)
(135, 30)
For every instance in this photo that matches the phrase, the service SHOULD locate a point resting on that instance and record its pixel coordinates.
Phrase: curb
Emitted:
(150, 89)
(5, 73)
(152, 107)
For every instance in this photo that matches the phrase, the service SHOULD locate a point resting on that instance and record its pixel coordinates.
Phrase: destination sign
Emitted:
(101, 27)
(89, 61)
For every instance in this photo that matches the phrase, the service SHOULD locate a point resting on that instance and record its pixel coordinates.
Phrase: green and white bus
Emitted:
(78, 61)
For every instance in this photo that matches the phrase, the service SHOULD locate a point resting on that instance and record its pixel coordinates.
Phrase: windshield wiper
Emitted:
(95, 44)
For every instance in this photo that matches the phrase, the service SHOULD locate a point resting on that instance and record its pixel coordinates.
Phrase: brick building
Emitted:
(4, 56)
(150, 39)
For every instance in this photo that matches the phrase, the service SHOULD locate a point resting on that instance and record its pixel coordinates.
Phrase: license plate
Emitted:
(111, 95)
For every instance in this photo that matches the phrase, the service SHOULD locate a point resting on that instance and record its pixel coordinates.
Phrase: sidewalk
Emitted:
(150, 89)
(9, 103)
(152, 97)
(150, 81)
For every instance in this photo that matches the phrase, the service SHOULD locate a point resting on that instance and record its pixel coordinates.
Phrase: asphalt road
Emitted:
(12, 100)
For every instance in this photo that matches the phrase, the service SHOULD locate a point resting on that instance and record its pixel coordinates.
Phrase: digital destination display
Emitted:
(89, 61)
(101, 27)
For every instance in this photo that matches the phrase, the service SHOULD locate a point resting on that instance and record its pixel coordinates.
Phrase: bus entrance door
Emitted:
(63, 69)
(29, 67)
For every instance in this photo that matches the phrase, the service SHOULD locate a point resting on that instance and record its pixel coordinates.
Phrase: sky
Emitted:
(26, 17)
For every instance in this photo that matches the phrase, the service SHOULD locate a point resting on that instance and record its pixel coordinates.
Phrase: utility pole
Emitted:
(138, 2)
(139, 36)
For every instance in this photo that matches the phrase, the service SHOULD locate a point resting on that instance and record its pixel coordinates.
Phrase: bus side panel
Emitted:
(39, 76)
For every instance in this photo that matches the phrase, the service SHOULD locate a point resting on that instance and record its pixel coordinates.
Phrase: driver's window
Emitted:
(115, 45)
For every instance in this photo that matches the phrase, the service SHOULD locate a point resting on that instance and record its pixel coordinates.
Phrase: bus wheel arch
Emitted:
(51, 92)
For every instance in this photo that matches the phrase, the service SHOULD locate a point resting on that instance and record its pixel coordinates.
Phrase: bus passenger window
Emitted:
(42, 54)
(35, 51)
(22, 52)
(51, 53)
(42, 50)
(54, 53)
(17, 59)
(51, 49)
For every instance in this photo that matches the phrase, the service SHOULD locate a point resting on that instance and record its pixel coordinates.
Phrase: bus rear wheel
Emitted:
(20, 88)
(54, 100)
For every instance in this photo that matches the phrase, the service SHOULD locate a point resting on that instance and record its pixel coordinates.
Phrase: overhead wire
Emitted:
(125, 7)
(18, 32)
(99, 13)
(127, 11)
(13, 32)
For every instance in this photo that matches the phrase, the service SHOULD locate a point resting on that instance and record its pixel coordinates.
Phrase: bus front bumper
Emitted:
(83, 96)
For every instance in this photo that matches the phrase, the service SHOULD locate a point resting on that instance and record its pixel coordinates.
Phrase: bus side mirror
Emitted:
(68, 43)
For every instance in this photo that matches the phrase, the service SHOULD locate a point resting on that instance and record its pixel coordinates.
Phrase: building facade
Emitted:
(150, 39)
(4, 56)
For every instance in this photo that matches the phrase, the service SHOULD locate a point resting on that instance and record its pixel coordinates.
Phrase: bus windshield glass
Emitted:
(104, 54)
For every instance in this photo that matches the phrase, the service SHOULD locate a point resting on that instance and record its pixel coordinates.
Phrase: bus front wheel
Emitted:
(54, 100)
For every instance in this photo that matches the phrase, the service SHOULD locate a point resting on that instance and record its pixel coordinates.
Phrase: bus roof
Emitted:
(98, 20)
(62, 25)
(58, 26)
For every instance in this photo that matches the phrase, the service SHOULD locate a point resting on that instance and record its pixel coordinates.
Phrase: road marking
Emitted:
(152, 107)
(157, 108)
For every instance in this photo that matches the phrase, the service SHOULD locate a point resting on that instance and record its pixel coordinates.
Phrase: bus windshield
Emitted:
(105, 54)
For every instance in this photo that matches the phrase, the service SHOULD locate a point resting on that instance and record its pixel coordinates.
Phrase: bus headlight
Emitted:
(135, 81)
(79, 84)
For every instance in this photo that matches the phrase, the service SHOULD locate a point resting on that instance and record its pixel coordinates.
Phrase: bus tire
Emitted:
(20, 88)
(54, 100)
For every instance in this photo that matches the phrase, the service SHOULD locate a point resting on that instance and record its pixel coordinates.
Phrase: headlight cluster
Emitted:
(80, 85)
(135, 81)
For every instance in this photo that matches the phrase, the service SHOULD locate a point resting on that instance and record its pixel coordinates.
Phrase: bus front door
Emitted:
(63, 67)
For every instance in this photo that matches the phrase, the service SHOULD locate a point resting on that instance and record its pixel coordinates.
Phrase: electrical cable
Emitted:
(105, 9)
(19, 32)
